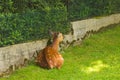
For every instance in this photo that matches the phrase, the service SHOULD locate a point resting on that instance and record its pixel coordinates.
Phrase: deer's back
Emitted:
(53, 57)
(49, 58)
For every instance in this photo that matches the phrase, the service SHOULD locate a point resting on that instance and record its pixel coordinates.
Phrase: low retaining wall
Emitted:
(80, 28)
(14, 56)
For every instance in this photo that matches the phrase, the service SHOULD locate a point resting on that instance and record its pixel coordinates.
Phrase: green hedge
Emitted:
(27, 20)
(82, 9)
(32, 24)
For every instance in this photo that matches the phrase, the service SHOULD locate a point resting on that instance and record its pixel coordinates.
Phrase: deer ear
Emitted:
(51, 32)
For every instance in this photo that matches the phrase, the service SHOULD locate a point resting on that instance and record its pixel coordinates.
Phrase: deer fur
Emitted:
(49, 57)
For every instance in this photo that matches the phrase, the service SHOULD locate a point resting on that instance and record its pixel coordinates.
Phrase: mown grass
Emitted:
(97, 58)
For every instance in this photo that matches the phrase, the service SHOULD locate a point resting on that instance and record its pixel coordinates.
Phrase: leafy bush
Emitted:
(32, 24)
(82, 9)
(26, 20)
(6, 6)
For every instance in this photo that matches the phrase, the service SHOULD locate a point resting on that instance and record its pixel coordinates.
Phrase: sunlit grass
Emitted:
(96, 66)
(97, 58)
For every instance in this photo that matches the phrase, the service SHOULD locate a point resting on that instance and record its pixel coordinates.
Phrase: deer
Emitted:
(49, 57)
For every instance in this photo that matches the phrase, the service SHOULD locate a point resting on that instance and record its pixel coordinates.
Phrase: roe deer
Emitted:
(49, 57)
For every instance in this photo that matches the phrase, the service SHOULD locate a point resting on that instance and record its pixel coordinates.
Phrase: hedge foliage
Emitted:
(82, 9)
(33, 23)
(26, 20)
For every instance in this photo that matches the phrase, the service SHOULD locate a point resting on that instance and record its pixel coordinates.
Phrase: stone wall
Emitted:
(14, 56)
(80, 28)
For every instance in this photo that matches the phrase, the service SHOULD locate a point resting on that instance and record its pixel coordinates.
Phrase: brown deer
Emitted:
(49, 57)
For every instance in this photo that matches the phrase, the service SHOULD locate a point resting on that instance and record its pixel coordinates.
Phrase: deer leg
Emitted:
(50, 64)
(58, 67)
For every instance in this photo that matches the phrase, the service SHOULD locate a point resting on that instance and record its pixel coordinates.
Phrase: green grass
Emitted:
(97, 58)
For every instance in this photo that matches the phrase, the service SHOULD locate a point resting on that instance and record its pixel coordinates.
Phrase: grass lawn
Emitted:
(97, 58)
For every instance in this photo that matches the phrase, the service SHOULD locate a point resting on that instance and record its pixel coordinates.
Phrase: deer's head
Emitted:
(57, 35)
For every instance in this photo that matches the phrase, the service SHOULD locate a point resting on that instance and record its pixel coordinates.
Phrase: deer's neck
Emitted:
(55, 44)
